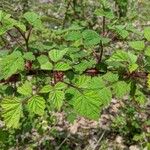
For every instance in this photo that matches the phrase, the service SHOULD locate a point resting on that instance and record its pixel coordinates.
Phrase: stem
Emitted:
(101, 48)
(67, 8)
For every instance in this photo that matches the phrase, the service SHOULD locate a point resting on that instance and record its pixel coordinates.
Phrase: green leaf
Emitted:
(46, 89)
(87, 104)
(147, 33)
(49, 88)
(110, 77)
(96, 83)
(60, 86)
(25, 89)
(33, 19)
(147, 51)
(105, 13)
(83, 65)
(105, 96)
(62, 66)
(36, 104)
(56, 98)
(91, 38)
(73, 36)
(11, 111)
(140, 97)
(82, 81)
(123, 33)
(121, 88)
(56, 55)
(12, 63)
(29, 56)
(122, 56)
(137, 45)
(133, 67)
(44, 62)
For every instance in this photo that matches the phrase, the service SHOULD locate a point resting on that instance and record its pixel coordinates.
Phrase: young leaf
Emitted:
(29, 56)
(105, 96)
(96, 83)
(73, 36)
(33, 19)
(140, 97)
(121, 88)
(62, 66)
(46, 89)
(110, 77)
(137, 45)
(56, 98)
(11, 111)
(147, 33)
(25, 89)
(56, 55)
(44, 62)
(91, 38)
(82, 81)
(147, 51)
(60, 86)
(105, 13)
(87, 104)
(12, 63)
(36, 104)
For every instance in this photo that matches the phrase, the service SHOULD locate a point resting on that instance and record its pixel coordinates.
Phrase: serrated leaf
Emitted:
(147, 51)
(60, 86)
(110, 77)
(33, 19)
(137, 45)
(12, 63)
(91, 38)
(62, 66)
(87, 104)
(105, 96)
(96, 83)
(122, 56)
(120, 89)
(73, 36)
(29, 56)
(44, 62)
(147, 33)
(56, 55)
(46, 89)
(133, 67)
(36, 105)
(83, 65)
(105, 13)
(25, 89)
(140, 97)
(11, 111)
(56, 98)
(123, 33)
(82, 81)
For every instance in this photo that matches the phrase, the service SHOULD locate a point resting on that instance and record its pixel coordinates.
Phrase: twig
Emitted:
(101, 137)
(63, 142)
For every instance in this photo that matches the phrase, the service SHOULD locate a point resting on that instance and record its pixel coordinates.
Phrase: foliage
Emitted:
(70, 68)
